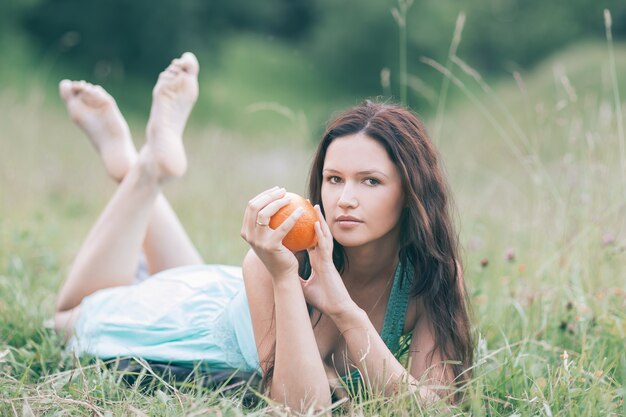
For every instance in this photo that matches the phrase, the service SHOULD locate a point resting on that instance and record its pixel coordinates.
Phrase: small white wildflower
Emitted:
(565, 358)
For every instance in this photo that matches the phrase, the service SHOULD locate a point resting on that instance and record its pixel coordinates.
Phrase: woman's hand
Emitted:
(266, 242)
(324, 289)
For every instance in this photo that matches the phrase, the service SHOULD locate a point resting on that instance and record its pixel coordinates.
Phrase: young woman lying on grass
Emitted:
(386, 264)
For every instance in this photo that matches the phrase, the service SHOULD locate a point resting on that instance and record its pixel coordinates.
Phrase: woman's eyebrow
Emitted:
(366, 172)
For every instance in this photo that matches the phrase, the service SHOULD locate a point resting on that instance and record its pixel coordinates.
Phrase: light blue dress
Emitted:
(195, 315)
(187, 315)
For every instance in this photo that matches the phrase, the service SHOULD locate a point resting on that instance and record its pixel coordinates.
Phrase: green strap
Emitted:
(393, 326)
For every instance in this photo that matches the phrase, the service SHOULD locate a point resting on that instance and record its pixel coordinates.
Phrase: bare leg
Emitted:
(109, 255)
(166, 244)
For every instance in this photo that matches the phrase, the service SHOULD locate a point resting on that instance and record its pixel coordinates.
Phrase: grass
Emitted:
(534, 166)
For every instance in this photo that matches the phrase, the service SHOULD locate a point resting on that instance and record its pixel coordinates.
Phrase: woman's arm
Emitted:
(380, 370)
(280, 316)
(299, 376)
(273, 289)
(426, 360)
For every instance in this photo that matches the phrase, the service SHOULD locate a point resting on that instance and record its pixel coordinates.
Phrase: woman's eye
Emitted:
(372, 181)
(334, 179)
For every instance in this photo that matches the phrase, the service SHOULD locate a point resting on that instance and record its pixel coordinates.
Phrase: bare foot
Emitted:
(97, 114)
(173, 98)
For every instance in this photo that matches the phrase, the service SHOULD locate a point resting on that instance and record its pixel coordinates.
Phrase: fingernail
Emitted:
(298, 211)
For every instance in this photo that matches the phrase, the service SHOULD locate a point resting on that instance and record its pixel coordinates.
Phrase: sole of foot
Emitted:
(173, 97)
(97, 114)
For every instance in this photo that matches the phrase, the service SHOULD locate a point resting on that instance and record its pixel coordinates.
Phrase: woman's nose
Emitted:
(347, 199)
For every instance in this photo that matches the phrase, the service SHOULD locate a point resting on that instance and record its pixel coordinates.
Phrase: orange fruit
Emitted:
(302, 235)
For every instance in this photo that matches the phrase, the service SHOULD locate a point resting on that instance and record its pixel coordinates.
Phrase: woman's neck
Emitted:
(372, 262)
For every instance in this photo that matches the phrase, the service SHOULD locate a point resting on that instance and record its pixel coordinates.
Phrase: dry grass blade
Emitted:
(617, 102)
(443, 92)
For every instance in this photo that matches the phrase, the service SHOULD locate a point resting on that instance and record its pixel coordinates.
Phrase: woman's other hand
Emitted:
(266, 242)
(324, 289)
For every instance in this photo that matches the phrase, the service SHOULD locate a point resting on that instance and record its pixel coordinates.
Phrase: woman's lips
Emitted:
(347, 222)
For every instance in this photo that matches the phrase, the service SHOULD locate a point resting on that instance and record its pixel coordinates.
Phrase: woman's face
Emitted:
(361, 191)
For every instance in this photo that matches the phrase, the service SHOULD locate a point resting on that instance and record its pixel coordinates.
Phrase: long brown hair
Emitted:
(428, 239)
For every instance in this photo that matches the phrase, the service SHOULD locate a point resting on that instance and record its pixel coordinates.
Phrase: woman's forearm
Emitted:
(380, 370)
(299, 378)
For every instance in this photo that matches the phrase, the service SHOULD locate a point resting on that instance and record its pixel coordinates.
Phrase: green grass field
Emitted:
(538, 172)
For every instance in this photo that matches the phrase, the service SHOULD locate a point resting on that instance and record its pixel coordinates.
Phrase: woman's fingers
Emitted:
(318, 231)
(254, 199)
(260, 201)
(269, 210)
(282, 230)
(322, 221)
(252, 209)
(324, 248)
(257, 204)
(264, 193)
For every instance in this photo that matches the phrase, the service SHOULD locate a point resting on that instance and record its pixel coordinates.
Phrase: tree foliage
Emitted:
(349, 41)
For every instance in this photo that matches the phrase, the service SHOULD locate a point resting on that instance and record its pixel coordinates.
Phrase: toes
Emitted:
(90, 94)
(69, 89)
(168, 73)
(189, 63)
(100, 92)
(189, 57)
(186, 64)
(65, 89)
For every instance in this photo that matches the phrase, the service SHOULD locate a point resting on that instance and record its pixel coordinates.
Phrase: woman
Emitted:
(386, 264)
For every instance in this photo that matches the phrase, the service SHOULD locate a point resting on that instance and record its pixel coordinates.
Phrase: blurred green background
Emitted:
(312, 57)
(273, 72)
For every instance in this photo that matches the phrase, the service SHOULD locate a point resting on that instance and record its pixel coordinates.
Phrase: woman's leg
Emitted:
(166, 244)
(110, 253)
